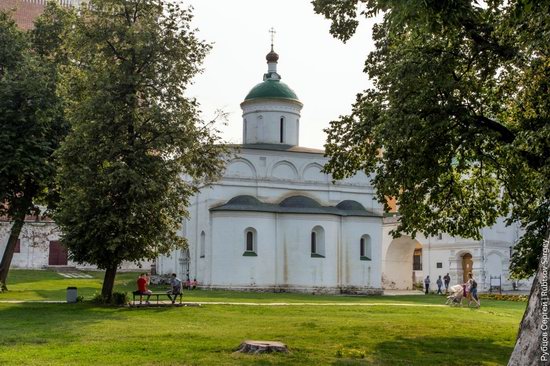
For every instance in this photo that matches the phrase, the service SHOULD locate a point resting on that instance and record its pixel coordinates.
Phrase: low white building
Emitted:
(275, 221)
(39, 246)
(408, 261)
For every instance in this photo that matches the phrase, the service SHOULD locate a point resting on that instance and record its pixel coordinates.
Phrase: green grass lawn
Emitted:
(83, 334)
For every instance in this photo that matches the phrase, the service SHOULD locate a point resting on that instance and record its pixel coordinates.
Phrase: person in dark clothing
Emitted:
(439, 283)
(427, 284)
(447, 280)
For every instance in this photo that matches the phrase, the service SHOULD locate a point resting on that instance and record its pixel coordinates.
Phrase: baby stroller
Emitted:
(456, 296)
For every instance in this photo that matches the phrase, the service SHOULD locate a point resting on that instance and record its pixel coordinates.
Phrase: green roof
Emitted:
(271, 89)
(296, 205)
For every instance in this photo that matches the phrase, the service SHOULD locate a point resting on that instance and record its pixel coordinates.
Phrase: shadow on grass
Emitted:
(421, 351)
(46, 295)
(36, 323)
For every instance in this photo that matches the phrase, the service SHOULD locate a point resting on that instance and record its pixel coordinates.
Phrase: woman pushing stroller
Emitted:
(466, 290)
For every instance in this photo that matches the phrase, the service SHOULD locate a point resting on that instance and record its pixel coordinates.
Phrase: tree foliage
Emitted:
(31, 122)
(457, 124)
(135, 134)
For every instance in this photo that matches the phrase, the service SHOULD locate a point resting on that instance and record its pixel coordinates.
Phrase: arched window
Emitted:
(249, 241)
(245, 131)
(365, 248)
(203, 245)
(317, 242)
(282, 130)
(250, 247)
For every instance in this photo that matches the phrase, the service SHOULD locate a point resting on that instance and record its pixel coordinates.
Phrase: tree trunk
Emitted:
(10, 248)
(532, 347)
(257, 347)
(109, 282)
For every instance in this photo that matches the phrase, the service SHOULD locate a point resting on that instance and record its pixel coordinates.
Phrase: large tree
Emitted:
(457, 126)
(31, 120)
(137, 150)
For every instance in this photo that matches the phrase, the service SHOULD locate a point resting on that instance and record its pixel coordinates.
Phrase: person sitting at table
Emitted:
(142, 288)
(175, 289)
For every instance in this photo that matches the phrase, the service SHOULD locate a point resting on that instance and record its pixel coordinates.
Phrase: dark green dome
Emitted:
(271, 89)
(299, 202)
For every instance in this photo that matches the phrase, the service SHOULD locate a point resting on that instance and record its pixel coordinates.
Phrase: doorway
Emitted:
(467, 265)
(58, 254)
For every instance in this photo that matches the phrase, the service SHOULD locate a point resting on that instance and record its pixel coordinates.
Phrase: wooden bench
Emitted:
(140, 296)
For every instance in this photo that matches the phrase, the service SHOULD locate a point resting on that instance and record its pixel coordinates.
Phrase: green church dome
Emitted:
(271, 89)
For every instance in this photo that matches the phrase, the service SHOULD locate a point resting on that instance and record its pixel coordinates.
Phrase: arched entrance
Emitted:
(467, 266)
(402, 263)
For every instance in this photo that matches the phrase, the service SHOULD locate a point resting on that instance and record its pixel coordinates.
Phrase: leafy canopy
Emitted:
(457, 126)
(31, 119)
(135, 134)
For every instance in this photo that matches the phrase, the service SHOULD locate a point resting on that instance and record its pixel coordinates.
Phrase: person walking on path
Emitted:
(427, 284)
(447, 280)
(439, 283)
(473, 290)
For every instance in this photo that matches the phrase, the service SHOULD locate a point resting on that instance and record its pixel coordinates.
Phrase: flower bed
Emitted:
(521, 298)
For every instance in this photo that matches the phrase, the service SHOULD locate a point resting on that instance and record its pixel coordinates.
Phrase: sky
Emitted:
(325, 73)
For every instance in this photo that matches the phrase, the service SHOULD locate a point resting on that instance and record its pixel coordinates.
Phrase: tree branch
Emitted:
(505, 134)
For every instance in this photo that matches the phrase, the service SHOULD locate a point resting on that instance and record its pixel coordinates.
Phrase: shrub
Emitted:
(120, 298)
(97, 298)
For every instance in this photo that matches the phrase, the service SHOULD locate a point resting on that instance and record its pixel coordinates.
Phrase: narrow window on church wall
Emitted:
(365, 248)
(250, 241)
(417, 259)
(250, 246)
(318, 242)
(282, 130)
(203, 245)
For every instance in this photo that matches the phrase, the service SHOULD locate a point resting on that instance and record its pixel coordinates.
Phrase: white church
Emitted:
(274, 221)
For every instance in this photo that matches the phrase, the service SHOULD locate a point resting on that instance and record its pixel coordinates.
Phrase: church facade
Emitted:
(275, 221)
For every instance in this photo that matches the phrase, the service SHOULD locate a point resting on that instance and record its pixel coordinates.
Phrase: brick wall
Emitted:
(25, 11)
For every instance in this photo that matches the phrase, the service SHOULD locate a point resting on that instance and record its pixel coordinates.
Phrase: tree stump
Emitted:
(257, 347)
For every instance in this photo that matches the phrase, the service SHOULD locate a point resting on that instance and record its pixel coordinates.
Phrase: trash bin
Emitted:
(71, 294)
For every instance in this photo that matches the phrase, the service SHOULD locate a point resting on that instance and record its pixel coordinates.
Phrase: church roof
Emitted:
(295, 204)
(271, 89)
(278, 147)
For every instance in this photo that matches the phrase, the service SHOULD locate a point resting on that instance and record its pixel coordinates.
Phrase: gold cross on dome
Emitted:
(272, 31)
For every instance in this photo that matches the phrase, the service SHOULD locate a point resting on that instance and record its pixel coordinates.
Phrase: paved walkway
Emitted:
(402, 292)
(202, 303)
